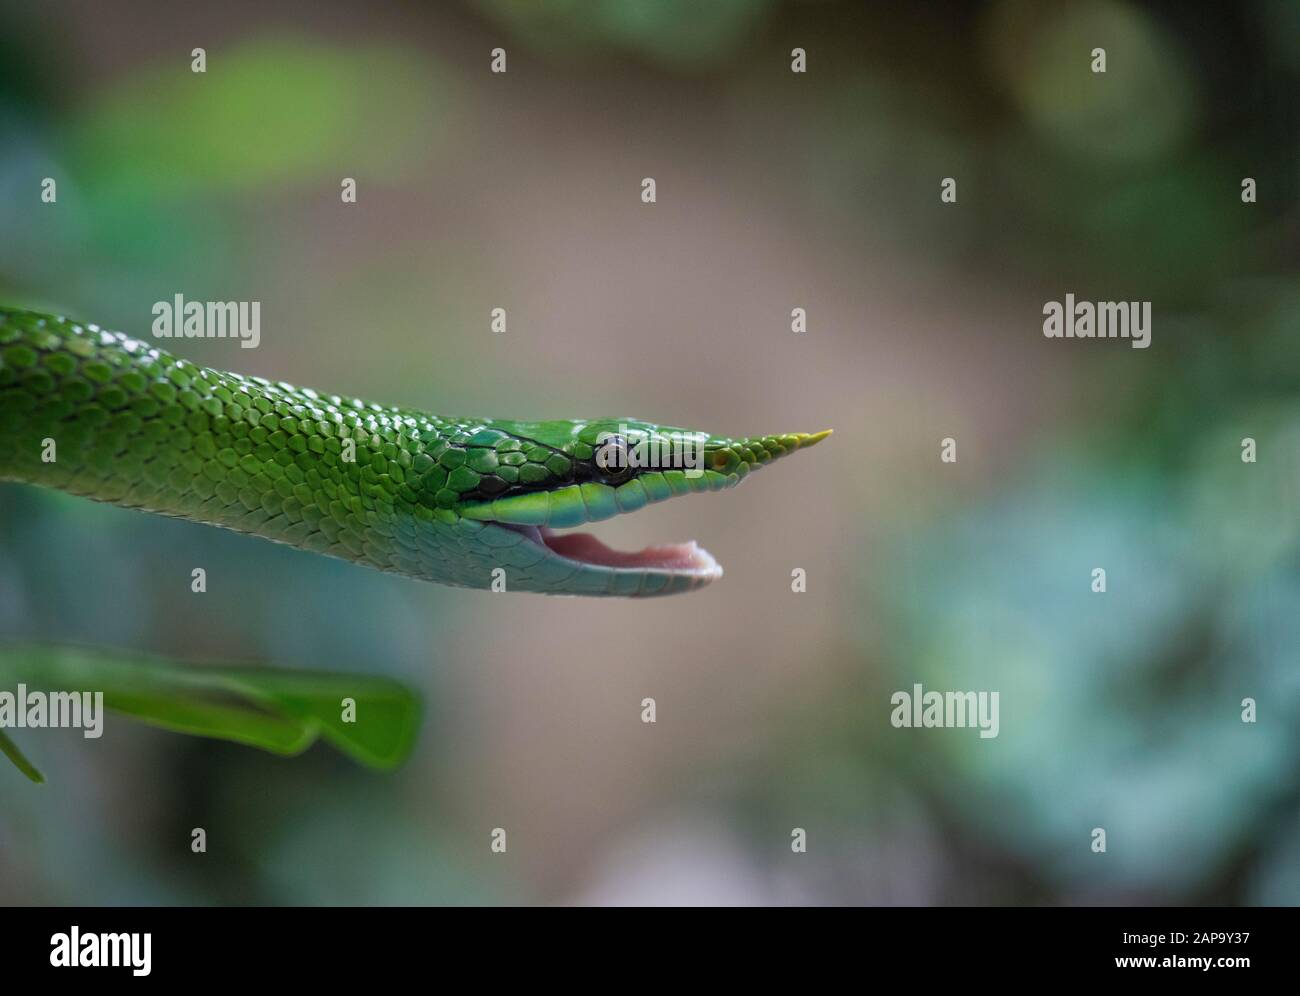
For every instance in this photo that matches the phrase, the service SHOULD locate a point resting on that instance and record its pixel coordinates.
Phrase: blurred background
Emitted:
(775, 190)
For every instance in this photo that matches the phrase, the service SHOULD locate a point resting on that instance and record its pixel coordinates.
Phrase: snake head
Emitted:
(513, 485)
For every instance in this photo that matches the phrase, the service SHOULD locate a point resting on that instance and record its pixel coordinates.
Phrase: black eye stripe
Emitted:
(579, 471)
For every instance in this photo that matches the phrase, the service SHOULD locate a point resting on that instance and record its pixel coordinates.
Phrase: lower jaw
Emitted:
(687, 558)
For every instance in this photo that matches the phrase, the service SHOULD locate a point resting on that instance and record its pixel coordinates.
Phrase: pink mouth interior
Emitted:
(587, 549)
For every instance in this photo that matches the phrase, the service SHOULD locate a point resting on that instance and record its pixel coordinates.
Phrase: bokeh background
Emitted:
(775, 191)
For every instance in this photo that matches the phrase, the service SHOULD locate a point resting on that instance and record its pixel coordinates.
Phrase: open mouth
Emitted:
(687, 558)
(593, 567)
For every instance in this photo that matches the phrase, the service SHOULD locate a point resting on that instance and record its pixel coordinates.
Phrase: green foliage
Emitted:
(276, 710)
(279, 109)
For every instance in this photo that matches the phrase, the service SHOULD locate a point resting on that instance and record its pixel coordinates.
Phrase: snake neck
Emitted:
(108, 417)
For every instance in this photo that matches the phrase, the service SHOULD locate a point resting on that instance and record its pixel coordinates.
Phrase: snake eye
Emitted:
(612, 458)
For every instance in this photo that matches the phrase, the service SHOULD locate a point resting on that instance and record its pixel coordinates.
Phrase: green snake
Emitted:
(471, 502)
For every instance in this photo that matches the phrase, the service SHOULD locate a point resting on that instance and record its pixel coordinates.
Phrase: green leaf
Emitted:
(10, 750)
(277, 710)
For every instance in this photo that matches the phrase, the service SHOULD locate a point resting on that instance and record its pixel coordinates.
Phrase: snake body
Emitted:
(470, 502)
